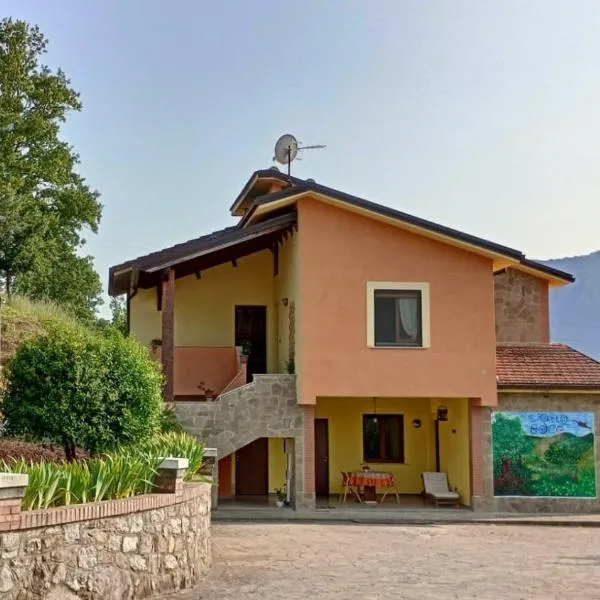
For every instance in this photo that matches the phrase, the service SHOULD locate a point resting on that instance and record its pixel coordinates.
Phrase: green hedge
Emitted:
(79, 387)
(121, 474)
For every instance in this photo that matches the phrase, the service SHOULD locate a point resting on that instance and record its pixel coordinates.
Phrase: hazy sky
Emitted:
(484, 116)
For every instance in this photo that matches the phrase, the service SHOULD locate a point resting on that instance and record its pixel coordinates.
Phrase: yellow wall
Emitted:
(205, 308)
(277, 464)
(286, 286)
(346, 446)
(454, 446)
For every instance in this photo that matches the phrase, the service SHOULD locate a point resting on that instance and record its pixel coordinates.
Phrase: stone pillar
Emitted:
(304, 461)
(12, 490)
(210, 468)
(169, 479)
(168, 334)
(476, 451)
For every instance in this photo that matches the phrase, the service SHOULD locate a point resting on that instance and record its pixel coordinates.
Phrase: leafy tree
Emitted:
(44, 204)
(118, 309)
(83, 388)
(66, 279)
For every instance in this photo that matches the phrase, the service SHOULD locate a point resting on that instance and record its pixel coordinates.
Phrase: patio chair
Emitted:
(437, 489)
(392, 490)
(347, 487)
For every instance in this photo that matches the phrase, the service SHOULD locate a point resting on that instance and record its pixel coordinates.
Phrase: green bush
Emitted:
(181, 445)
(121, 474)
(82, 388)
(78, 482)
(168, 421)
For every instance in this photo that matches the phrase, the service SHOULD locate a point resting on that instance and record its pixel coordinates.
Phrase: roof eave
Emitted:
(292, 194)
(547, 387)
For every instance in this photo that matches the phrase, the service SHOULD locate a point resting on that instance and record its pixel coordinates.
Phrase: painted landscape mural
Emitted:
(543, 454)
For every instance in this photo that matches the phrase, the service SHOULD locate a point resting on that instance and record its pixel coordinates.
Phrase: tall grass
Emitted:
(179, 445)
(121, 474)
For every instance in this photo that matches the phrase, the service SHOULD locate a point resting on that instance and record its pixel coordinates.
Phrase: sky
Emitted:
(483, 116)
(547, 424)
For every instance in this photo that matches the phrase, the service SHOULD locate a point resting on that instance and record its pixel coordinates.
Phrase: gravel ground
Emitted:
(324, 561)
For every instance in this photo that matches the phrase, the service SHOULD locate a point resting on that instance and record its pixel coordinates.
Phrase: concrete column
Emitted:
(169, 479)
(210, 468)
(168, 334)
(12, 490)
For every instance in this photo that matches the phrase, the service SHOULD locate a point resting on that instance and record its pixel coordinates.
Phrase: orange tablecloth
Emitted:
(371, 479)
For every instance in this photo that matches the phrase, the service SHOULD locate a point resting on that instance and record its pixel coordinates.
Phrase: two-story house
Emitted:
(324, 332)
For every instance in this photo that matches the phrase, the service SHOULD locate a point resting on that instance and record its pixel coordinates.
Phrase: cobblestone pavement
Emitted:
(324, 561)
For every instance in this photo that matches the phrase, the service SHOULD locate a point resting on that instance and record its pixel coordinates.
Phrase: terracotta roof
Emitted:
(545, 366)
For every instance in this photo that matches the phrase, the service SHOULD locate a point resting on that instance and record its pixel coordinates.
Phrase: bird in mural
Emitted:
(583, 424)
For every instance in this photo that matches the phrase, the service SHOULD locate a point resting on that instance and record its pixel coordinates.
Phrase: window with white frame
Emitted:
(397, 314)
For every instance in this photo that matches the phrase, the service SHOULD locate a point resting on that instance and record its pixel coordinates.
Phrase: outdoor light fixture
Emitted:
(284, 301)
(416, 423)
(442, 413)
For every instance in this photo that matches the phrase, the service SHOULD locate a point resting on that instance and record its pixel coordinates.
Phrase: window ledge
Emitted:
(393, 347)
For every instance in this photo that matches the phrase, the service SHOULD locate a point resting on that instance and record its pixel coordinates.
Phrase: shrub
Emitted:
(120, 474)
(78, 482)
(168, 421)
(176, 444)
(82, 388)
(14, 449)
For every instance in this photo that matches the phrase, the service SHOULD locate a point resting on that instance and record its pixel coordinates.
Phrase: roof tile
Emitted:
(545, 366)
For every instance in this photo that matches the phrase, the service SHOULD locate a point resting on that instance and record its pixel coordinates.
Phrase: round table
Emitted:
(370, 481)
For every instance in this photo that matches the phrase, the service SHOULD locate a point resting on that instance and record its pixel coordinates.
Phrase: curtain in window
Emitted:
(409, 316)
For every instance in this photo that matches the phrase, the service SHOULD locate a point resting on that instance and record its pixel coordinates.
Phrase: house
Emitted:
(323, 332)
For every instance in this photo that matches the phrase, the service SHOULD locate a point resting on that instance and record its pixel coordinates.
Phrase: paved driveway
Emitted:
(323, 561)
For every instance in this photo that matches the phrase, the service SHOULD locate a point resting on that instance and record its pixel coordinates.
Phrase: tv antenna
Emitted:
(287, 148)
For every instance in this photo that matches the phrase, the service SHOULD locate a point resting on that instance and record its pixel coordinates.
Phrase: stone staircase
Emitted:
(267, 407)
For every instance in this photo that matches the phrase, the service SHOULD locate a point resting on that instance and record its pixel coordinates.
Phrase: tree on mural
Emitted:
(541, 459)
(45, 205)
(510, 446)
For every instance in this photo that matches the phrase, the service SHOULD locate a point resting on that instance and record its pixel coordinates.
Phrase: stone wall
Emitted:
(536, 402)
(133, 554)
(521, 307)
(267, 407)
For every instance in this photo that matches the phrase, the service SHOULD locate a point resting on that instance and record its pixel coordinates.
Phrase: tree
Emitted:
(66, 279)
(44, 204)
(83, 388)
(118, 309)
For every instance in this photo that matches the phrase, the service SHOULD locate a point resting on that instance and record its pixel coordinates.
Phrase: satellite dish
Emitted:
(286, 150)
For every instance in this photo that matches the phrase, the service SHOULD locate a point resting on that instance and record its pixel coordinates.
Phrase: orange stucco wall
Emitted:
(197, 368)
(339, 252)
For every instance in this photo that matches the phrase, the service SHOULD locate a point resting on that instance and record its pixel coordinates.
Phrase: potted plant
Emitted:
(246, 347)
(280, 497)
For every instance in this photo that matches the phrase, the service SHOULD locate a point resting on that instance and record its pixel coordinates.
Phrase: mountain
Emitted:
(575, 308)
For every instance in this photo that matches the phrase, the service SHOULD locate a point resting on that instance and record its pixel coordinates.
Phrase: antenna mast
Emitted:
(287, 148)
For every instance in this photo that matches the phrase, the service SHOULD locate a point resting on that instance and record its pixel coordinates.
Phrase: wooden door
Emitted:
(251, 330)
(322, 457)
(252, 469)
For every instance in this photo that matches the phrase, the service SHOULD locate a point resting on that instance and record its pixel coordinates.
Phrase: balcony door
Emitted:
(251, 333)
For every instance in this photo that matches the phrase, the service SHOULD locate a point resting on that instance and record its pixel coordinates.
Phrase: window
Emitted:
(398, 318)
(383, 438)
(397, 315)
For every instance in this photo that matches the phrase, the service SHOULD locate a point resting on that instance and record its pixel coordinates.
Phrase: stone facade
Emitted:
(535, 402)
(521, 307)
(267, 407)
(129, 556)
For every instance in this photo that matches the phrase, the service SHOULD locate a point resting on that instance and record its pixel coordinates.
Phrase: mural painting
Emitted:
(544, 454)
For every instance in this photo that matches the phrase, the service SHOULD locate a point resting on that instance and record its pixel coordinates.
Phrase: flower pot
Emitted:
(280, 503)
